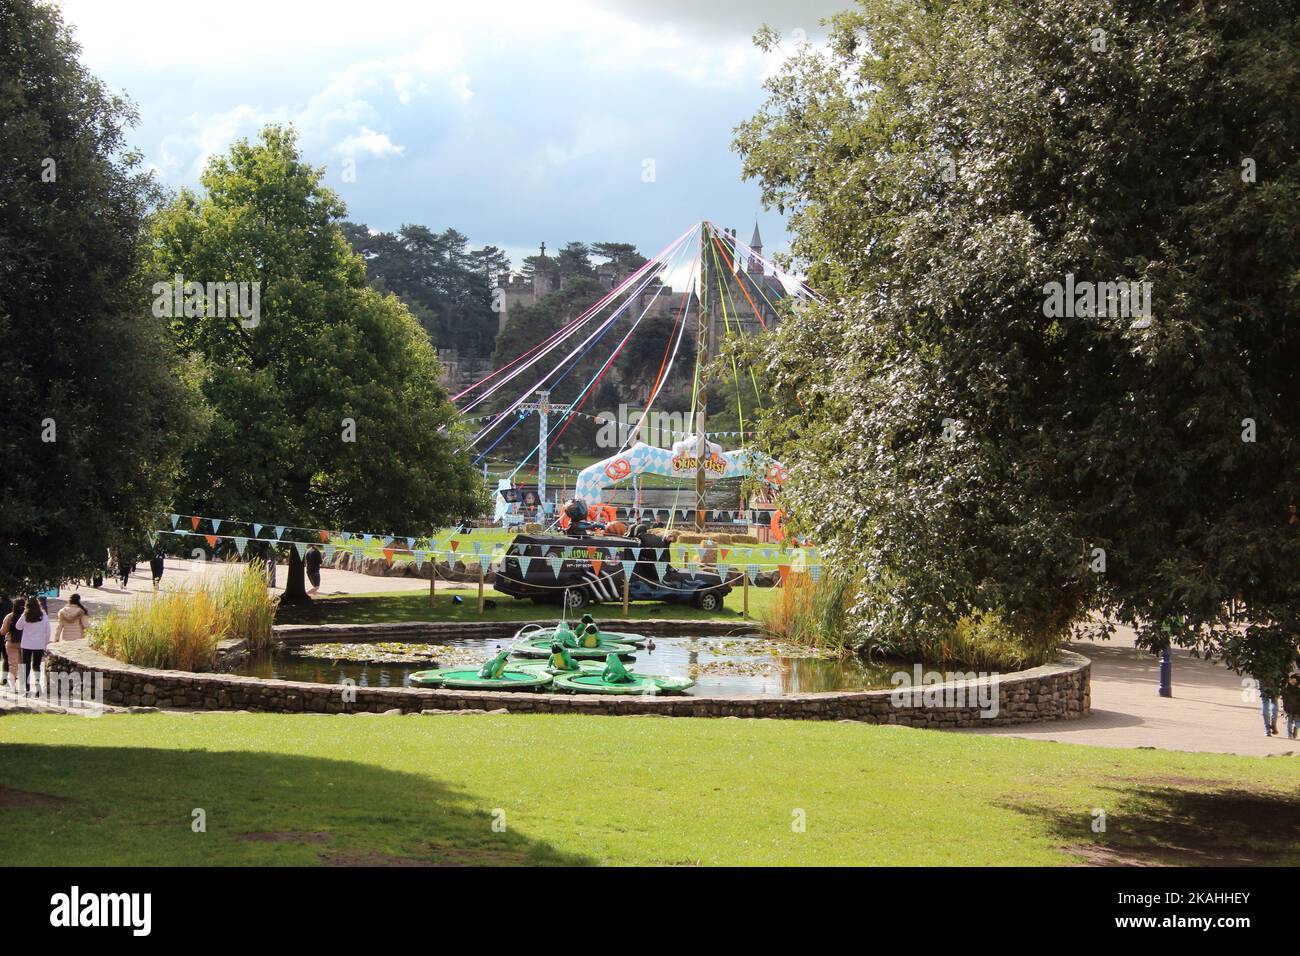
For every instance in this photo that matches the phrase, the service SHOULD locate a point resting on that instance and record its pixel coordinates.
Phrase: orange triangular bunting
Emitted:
(388, 555)
(596, 565)
(194, 522)
(212, 541)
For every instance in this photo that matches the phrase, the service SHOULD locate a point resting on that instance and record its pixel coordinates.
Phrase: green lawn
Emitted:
(289, 789)
(414, 606)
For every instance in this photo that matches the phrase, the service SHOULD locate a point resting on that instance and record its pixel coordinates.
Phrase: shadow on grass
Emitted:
(1169, 826)
(94, 806)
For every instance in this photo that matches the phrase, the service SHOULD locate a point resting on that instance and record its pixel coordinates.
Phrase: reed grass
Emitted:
(246, 606)
(813, 613)
(180, 628)
(818, 614)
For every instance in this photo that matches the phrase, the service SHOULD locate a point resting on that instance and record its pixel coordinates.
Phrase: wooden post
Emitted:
(745, 589)
(627, 583)
(480, 587)
(433, 576)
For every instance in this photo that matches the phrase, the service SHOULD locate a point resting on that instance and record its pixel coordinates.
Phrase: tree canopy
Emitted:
(97, 404)
(445, 284)
(328, 410)
(948, 426)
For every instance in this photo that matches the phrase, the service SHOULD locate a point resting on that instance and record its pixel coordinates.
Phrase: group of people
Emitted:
(25, 632)
(1289, 694)
(121, 564)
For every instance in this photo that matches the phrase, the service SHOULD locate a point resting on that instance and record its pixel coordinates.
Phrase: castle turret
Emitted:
(756, 249)
(543, 280)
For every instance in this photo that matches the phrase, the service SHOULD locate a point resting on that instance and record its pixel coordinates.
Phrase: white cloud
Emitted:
(368, 142)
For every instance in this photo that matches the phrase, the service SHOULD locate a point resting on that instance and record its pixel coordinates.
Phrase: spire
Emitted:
(755, 249)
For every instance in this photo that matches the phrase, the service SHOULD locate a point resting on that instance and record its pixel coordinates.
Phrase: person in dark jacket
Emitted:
(156, 568)
(311, 562)
(1291, 705)
(125, 565)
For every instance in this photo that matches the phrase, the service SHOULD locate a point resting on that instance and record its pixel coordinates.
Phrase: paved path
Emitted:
(1208, 712)
(179, 573)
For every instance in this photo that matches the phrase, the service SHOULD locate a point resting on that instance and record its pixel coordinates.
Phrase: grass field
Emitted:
(389, 607)
(290, 789)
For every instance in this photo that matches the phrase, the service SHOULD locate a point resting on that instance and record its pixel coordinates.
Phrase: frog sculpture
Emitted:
(493, 669)
(560, 659)
(615, 672)
(590, 637)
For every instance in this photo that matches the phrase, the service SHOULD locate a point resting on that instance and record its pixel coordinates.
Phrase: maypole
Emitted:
(701, 392)
(543, 407)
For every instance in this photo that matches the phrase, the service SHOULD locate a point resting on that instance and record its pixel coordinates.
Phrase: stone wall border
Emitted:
(1057, 691)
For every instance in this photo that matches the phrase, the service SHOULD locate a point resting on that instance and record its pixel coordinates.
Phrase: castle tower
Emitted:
(543, 280)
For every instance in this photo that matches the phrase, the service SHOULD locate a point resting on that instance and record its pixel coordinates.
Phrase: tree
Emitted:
(446, 285)
(947, 424)
(97, 406)
(621, 254)
(328, 411)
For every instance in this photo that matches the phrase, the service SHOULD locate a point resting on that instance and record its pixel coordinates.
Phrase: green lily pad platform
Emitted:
(514, 679)
(426, 679)
(593, 682)
(612, 637)
(533, 632)
(541, 647)
(543, 667)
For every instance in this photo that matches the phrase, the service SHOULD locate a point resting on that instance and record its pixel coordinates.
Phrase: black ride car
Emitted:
(583, 585)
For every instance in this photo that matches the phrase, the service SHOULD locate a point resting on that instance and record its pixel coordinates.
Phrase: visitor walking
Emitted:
(6, 608)
(270, 566)
(311, 562)
(34, 628)
(125, 567)
(11, 637)
(73, 620)
(156, 567)
(1268, 693)
(1291, 705)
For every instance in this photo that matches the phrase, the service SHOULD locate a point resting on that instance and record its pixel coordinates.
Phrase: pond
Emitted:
(720, 667)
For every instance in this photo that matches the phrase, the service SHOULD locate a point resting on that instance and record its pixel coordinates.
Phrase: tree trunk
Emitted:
(295, 581)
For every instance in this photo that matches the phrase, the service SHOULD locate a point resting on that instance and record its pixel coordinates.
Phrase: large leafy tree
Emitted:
(97, 405)
(943, 163)
(328, 411)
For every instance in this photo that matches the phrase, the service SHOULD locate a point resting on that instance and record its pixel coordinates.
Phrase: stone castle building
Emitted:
(739, 305)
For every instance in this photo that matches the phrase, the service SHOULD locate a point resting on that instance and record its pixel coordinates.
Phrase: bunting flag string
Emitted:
(368, 538)
(753, 560)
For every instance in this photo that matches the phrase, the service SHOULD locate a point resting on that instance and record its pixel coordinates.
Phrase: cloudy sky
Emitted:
(514, 122)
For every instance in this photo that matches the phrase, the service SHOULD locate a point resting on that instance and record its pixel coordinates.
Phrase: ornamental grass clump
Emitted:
(179, 629)
(814, 613)
(247, 607)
